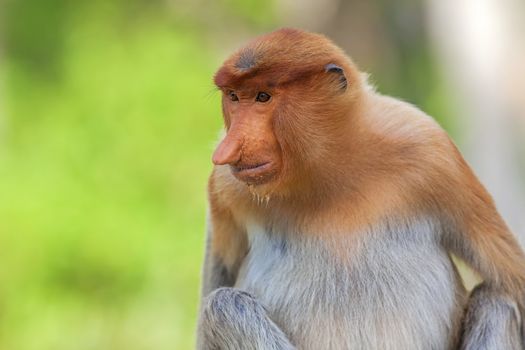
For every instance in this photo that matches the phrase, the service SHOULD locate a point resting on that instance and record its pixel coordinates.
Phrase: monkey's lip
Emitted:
(254, 173)
(250, 169)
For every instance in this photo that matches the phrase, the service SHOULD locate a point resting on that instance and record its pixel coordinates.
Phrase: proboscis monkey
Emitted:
(334, 211)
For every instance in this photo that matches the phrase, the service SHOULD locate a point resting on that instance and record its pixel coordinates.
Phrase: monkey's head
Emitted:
(286, 100)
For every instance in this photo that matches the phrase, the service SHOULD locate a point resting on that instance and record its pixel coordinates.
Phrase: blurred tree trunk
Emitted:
(478, 43)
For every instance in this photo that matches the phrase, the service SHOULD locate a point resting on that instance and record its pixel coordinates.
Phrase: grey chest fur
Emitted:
(395, 289)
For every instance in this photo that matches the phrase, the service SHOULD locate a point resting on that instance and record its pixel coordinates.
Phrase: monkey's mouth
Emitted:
(253, 173)
(250, 168)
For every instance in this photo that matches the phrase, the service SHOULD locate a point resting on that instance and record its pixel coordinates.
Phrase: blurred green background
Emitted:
(108, 116)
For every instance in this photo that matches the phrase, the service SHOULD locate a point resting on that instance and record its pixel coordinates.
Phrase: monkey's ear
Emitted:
(335, 69)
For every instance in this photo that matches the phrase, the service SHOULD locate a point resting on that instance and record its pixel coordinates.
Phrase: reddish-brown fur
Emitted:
(343, 160)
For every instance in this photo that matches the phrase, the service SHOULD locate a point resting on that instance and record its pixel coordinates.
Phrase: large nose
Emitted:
(229, 150)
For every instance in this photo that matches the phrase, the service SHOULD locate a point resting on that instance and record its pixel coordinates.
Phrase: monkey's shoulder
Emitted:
(400, 121)
(409, 140)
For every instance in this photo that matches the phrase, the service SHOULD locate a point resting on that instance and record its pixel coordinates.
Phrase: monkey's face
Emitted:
(279, 92)
(250, 146)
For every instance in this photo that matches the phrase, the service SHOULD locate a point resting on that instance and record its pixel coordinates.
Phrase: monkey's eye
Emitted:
(233, 96)
(263, 97)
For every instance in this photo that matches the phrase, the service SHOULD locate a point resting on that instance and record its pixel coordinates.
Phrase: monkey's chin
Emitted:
(255, 175)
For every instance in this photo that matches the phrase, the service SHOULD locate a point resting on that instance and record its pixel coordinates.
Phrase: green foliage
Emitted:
(34, 34)
(258, 13)
(102, 184)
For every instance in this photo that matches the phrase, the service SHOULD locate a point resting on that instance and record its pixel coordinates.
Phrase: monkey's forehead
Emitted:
(281, 56)
(284, 44)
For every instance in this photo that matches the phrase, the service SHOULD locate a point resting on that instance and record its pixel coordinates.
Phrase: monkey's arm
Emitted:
(225, 248)
(226, 245)
(475, 232)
